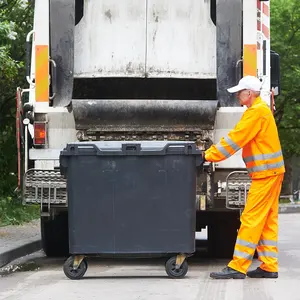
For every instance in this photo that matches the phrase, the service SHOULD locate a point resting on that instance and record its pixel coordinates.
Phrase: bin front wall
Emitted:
(132, 204)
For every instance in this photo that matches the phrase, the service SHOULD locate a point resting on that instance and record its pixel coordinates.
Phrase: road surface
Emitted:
(145, 280)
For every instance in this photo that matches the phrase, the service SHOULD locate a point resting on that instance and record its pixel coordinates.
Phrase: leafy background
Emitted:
(16, 19)
(285, 40)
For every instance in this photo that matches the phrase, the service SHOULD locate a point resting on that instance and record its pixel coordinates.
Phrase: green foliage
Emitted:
(15, 22)
(13, 212)
(285, 40)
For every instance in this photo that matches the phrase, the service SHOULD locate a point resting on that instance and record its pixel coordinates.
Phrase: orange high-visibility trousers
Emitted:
(259, 226)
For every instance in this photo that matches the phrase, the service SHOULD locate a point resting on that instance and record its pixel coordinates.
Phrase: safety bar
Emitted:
(28, 52)
(53, 78)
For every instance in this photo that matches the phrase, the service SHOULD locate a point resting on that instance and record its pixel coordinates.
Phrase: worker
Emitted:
(256, 134)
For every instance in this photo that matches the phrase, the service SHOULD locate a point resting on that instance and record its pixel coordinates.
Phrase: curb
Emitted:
(15, 253)
(289, 209)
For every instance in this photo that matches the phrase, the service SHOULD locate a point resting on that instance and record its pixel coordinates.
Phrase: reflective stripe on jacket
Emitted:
(257, 134)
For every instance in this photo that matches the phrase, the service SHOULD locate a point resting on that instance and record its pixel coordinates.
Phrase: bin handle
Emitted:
(131, 148)
(187, 148)
(82, 149)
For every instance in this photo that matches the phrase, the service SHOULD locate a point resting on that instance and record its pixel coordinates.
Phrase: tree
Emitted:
(16, 19)
(285, 40)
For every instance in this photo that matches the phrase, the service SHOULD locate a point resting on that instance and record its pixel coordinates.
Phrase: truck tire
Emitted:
(54, 234)
(222, 236)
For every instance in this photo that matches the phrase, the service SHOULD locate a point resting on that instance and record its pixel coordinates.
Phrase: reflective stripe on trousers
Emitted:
(259, 226)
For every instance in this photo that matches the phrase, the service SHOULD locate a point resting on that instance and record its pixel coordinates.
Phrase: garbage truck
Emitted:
(140, 70)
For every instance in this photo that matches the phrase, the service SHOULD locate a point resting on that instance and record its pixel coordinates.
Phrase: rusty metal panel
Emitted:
(110, 39)
(181, 39)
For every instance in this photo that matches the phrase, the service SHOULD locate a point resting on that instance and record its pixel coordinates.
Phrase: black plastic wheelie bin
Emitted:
(132, 199)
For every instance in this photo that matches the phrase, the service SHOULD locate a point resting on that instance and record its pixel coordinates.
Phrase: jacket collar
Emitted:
(257, 101)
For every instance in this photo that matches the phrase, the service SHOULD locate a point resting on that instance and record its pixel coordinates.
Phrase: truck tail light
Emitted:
(40, 133)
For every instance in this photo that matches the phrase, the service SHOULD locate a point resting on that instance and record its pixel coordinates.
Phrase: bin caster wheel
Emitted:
(72, 273)
(174, 272)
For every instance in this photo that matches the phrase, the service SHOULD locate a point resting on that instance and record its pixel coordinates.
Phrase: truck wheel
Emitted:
(171, 268)
(54, 234)
(74, 274)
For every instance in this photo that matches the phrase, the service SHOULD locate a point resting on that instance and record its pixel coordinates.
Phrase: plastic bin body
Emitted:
(134, 199)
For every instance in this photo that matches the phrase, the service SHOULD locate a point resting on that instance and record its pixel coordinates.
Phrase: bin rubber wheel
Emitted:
(75, 274)
(171, 268)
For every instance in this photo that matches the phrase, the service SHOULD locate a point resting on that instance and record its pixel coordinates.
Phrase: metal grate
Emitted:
(45, 186)
(237, 188)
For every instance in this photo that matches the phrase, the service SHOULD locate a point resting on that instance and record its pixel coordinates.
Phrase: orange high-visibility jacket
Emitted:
(257, 134)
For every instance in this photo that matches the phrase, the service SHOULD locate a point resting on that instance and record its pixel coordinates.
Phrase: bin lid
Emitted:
(131, 147)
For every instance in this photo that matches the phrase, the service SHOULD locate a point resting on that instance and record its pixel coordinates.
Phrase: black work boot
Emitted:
(260, 273)
(227, 273)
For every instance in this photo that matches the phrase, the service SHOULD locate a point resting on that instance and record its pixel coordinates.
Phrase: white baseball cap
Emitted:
(247, 83)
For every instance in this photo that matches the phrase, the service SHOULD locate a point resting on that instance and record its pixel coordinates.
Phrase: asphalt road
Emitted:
(42, 278)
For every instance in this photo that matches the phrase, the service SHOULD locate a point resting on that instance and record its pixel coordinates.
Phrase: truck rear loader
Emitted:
(140, 70)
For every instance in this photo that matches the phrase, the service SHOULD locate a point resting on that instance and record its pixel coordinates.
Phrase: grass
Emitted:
(284, 200)
(13, 212)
